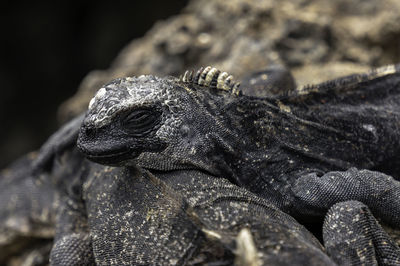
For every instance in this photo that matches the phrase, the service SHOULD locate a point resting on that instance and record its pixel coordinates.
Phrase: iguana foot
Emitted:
(73, 249)
(352, 236)
(314, 195)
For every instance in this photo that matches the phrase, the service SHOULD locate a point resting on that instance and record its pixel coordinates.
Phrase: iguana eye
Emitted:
(140, 121)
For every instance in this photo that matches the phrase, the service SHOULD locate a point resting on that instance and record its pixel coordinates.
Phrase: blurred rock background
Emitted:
(48, 49)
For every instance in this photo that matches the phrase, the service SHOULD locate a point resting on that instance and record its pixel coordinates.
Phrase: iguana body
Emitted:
(276, 148)
(186, 217)
(199, 128)
(260, 144)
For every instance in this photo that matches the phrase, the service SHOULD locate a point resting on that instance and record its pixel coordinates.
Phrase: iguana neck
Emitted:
(269, 142)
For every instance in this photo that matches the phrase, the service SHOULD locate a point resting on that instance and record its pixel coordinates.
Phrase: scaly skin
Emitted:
(286, 150)
(296, 151)
(263, 145)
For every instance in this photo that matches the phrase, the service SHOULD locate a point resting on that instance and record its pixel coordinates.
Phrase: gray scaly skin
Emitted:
(299, 150)
(203, 114)
(129, 216)
(73, 240)
(271, 147)
(185, 217)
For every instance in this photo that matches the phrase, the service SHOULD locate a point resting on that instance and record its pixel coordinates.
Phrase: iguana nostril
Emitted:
(89, 132)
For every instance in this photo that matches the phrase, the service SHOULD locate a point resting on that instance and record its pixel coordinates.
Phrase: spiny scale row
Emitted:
(212, 78)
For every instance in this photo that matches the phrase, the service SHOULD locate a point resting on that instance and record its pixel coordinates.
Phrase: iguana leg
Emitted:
(314, 195)
(72, 245)
(73, 249)
(352, 236)
(60, 160)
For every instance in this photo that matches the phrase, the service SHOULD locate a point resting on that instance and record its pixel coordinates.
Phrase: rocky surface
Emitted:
(316, 39)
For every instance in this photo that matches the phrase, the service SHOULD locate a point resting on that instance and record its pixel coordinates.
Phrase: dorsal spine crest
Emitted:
(212, 78)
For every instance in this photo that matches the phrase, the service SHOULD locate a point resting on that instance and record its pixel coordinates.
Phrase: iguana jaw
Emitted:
(115, 158)
(147, 160)
(163, 163)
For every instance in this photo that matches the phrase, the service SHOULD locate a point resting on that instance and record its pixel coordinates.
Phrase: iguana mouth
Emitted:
(113, 158)
(108, 157)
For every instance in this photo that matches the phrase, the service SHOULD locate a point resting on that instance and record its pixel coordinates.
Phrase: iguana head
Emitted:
(158, 123)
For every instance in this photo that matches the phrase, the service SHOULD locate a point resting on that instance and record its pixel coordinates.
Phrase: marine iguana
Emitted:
(282, 149)
(296, 151)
